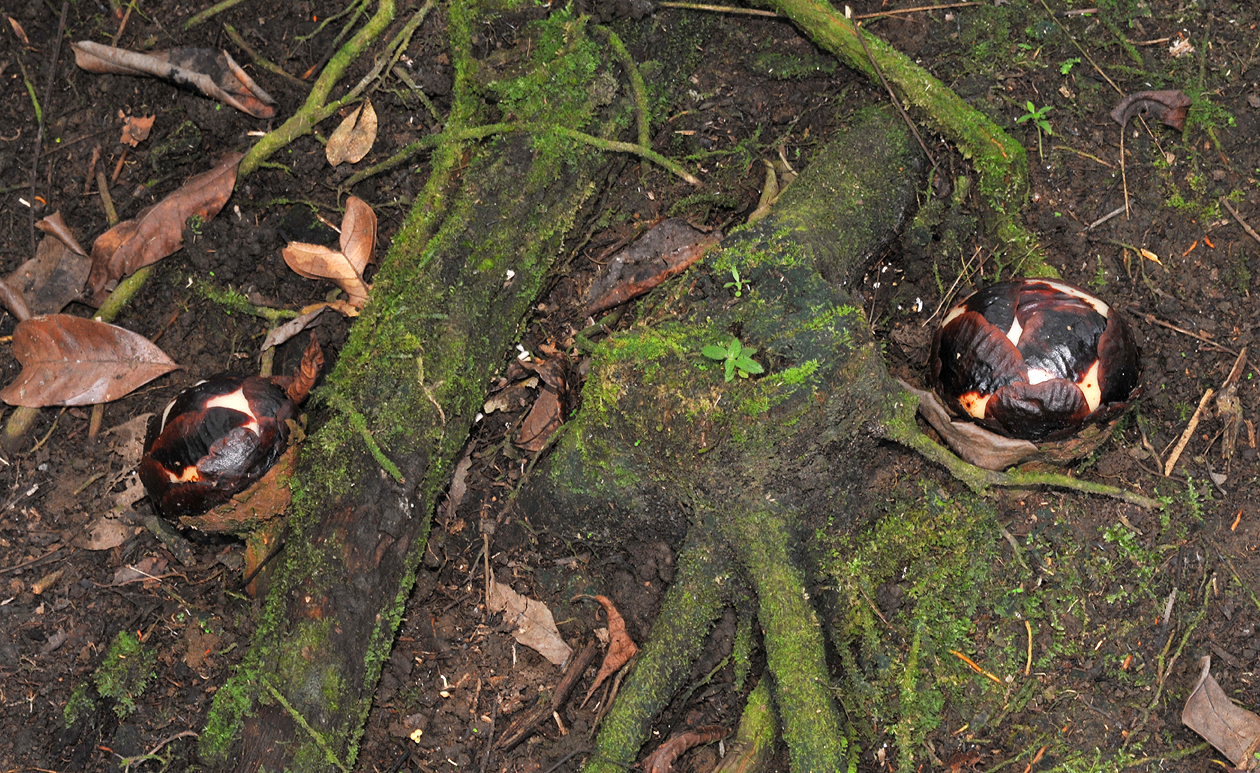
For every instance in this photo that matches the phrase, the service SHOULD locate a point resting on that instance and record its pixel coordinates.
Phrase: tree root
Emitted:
(1001, 162)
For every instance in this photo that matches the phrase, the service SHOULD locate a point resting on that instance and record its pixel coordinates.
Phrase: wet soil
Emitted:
(1176, 262)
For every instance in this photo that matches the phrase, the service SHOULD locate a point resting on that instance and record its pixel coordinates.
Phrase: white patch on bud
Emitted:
(1090, 387)
(1038, 375)
(237, 402)
(974, 403)
(1075, 292)
(1014, 333)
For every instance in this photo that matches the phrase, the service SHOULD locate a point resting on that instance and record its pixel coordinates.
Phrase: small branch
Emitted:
(525, 726)
(638, 90)
(1189, 433)
(1239, 218)
(260, 60)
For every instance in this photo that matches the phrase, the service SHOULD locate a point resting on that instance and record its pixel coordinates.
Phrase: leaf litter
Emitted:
(354, 136)
(532, 619)
(213, 73)
(158, 231)
(343, 267)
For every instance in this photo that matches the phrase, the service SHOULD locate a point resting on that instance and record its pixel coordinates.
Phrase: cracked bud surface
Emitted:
(1035, 359)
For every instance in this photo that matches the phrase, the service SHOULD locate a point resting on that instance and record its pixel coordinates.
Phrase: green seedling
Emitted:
(1038, 117)
(738, 284)
(1067, 66)
(736, 357)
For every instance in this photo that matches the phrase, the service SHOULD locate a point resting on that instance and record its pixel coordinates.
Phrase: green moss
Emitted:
(125, 672)
(80, 706)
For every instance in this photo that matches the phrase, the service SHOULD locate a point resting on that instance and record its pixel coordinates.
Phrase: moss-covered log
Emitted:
(448, 302)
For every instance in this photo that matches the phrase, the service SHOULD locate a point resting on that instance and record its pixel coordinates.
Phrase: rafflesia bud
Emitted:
(1035, 359)
(214, 440)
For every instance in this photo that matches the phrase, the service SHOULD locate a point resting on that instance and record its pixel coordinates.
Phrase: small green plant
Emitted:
(124, 672)
(1037, 115)
(195, 223)
(1067, 66)
(737, 283)
(736, 357)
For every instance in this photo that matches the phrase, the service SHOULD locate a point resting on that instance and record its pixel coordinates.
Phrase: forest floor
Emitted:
(1118, 605)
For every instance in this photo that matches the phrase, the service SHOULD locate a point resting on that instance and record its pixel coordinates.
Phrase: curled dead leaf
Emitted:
(662, 760)
(158, 230)
(353, 137)
(343, 267)
(213, 73)
(1168, 106)
(69, 360)
(620, 646)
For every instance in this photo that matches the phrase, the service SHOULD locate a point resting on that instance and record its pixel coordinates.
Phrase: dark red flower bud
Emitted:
(214, 440)
(1035, 359)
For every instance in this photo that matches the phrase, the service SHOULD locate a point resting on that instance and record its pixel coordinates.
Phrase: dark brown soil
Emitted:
(758, 89)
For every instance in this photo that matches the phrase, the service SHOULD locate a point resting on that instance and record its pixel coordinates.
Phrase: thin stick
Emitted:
(262, 61)
(1240, 220)
(1185, 436)
(1104, 218)
(720, 9)
(862, 39)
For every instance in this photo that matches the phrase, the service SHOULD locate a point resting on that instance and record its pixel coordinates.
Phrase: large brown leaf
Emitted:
(343, 267)
(213, 73)
(69, 360)
(158, 230)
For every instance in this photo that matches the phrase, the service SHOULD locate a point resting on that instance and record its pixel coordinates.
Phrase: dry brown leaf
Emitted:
(146, 570)
(314, 261)
(353, 137)
(17, 30)
(662, 760)
(213, 73)
(69, 360)
(136, 130)
(542, 421)
(358, 233)
(1224, 724)
(344, 267)
(57, 273)
(1168, 106)
(535, 627)
(53, 224)
(620, 646)
(158, 230)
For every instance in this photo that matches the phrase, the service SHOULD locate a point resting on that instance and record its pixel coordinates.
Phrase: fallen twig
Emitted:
(523, 728)
(1240, 220)
(1189, 432)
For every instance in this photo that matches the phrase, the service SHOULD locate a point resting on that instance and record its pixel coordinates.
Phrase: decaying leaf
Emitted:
(158, 230)
(1168, 106)
(104, 533)
(298, 385)
(662, 760)
(353, 137)
(147, 570)
(535, 627)
(665, 251)
(17, 30)
(57, 273)
(55, 225)
(127, 439)
(542, 421)
(213, 73)
(69, 360)
(343, 267)
(136, 130)
(1224, 724)
(620, 646)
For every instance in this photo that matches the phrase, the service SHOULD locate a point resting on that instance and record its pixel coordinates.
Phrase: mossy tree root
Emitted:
(795, 655)
(753, 745)
(692, 604)
(1001, 163)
